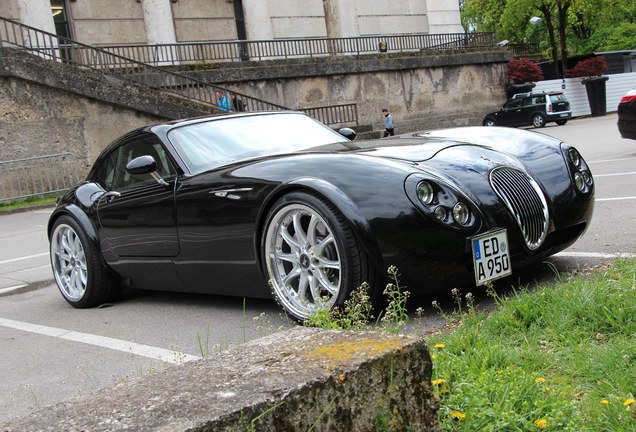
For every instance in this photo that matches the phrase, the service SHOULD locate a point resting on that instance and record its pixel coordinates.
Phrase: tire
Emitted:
(489, 122)
(311, 256)
(79, 273)
(561, 122)
(538, 120)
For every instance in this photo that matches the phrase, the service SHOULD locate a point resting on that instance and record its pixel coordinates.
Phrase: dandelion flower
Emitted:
(440, 346)
(433, 356)
(438, 381)
(628, 402)
(605, 402)
(541, 423)
(540, 380)
(342, 377)
(458, 415)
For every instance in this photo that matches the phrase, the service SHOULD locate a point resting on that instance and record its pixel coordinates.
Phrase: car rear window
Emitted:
(558, 98)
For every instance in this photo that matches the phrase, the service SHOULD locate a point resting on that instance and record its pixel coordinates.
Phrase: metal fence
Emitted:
(189, 53)
(40, 175)
(59, 49)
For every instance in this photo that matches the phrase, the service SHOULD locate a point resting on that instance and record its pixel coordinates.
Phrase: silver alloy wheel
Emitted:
(489, 122)
(303, 260)
(538, 121)
(69, 262)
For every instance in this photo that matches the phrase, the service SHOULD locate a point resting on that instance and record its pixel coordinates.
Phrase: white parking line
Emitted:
(11, 288)
(595, 255)
(615, 199)
(614, 175)
(23, 258)
(611, 160)
(160, 354)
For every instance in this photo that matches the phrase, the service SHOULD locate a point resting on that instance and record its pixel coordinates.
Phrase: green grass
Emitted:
(23, 203)
(559, 357)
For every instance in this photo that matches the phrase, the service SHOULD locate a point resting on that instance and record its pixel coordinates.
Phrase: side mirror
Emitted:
(145, 165)
(141, 165)
(348, 133)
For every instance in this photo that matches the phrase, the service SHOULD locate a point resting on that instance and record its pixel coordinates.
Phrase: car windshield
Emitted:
(204, 146)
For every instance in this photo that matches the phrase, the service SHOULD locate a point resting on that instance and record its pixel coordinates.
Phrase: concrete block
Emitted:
(289, 381)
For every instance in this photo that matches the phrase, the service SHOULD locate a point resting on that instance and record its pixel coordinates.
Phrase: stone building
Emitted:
(117, 22)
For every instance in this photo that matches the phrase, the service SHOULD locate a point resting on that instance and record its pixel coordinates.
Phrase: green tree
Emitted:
(567, 26)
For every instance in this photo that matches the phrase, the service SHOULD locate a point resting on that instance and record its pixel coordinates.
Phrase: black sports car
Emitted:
(224, 204)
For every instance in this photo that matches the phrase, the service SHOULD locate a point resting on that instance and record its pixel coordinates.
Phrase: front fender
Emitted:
(358, 222)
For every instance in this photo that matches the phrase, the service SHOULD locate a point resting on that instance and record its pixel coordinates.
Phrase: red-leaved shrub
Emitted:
(591, 67)
(523, 70)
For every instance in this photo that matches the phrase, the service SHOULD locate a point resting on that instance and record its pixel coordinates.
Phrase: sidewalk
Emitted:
(24, 251)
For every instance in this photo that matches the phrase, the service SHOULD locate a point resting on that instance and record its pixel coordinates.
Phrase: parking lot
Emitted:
(52, 352)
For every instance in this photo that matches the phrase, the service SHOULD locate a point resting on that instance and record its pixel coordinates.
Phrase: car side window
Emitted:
(106, 171)
(141, 146)
(514, 103)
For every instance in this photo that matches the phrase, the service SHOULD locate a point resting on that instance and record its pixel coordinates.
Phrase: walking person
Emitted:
(388, 124)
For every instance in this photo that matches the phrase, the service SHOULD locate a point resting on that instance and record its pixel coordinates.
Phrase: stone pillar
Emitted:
(158, 22)
(159, 26)
(37, 13)
(341, 18)
(258, 22)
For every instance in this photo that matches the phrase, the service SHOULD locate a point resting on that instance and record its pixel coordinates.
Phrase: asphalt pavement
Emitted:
(52, 352)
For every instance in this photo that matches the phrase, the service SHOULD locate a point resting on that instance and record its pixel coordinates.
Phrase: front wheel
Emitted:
(489, 122)
(311, 255)
(561, 122)
(79, 274)
(538, 120)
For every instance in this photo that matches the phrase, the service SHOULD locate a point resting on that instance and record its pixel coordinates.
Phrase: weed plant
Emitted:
(558, 357)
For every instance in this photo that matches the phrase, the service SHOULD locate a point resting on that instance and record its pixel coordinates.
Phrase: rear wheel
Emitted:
(79, 274)
(561, 122)
(311, 255)
(538, 120)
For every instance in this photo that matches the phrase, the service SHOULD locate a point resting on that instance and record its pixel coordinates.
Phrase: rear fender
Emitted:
(82, 219)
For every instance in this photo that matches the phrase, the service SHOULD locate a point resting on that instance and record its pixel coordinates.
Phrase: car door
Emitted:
(529, 107)
(510, 113)
(141, 221)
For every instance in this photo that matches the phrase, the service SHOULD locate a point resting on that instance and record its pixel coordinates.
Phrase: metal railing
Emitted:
(59, 49)
(40, 175)
(189, 53)
(530, 50)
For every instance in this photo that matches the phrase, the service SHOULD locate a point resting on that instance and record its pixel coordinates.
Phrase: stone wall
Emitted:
(293, 381)
(422, 90)
(48, 107)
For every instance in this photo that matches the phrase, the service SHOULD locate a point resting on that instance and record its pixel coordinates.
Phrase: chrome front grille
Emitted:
(525, 201)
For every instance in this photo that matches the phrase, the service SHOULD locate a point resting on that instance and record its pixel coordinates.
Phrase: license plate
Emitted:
(491, 256)
(565, 115)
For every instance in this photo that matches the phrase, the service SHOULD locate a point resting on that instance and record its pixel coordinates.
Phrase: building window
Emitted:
(60, 18)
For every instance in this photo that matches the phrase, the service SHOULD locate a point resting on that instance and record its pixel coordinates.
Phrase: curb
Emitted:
(26, 209)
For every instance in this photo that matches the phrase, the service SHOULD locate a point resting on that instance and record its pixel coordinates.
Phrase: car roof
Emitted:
(535, 93)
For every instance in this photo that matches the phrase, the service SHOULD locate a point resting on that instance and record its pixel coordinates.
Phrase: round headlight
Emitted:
(574, 157)
(425, 192)
(461, 214)
(440, 213)
(587, 177)
(579, 181)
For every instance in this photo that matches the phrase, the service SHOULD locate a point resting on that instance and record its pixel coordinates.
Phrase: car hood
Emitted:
(422, 146)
